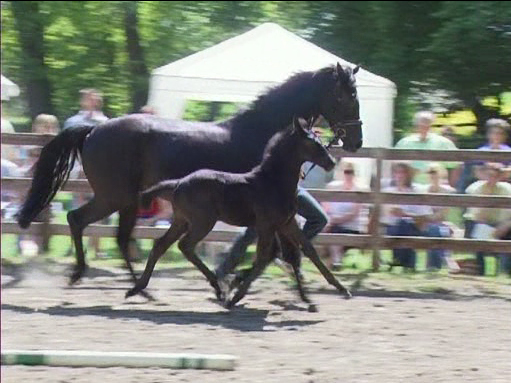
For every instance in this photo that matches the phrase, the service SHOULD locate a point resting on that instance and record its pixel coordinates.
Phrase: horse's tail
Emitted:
(52, 171)
(164, 189)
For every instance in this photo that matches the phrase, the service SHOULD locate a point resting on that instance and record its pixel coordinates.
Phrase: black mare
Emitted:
(265, 198)
(125, 155)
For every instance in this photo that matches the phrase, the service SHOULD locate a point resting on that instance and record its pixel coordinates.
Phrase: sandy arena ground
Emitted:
(445, 330)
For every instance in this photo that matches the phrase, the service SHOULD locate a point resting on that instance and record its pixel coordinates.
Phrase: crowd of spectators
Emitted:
(470, 177)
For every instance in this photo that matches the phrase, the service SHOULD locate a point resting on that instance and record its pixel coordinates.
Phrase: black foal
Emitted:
(264, 197)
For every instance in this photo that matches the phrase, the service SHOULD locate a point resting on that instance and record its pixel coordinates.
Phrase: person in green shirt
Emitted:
(424, 139)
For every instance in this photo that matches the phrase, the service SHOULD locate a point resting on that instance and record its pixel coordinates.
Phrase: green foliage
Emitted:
(210, 111)
(460, 47)
(470, 53)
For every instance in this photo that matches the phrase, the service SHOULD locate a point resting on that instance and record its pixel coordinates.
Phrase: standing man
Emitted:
(424, 139)
(90, 112)
(91, 103)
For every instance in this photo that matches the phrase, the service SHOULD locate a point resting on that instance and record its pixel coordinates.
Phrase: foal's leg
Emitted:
(292, 255)
(294, 234)
(243, 274)
(196, 232)
(176, 230)
(266, 247)
(78, 220)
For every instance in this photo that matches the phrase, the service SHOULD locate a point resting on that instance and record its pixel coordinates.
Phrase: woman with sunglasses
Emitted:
(344, 217)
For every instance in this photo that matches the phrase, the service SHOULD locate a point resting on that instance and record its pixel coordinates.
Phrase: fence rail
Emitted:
(363, 241)
(437, 199)
(374, 240)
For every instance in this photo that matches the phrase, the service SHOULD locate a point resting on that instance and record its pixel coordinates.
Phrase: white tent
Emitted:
(9, 89)
(243, 67)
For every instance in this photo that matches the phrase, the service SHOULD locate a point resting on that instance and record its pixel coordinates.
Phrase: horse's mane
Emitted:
(299, 91)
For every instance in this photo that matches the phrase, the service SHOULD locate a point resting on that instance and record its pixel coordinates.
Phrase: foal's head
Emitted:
(309, 147)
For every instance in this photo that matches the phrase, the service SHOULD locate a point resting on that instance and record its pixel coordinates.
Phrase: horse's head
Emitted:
(310, 147)
(339, 105)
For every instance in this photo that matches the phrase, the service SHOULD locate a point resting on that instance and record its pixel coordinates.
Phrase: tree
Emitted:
(387, 38)
(139, 75)
(30, 23)
(470, 53)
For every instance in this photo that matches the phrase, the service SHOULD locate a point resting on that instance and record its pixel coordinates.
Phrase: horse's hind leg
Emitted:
(266, 248)
(78, 220)
(295, 235)
(127, 221)
(196, 232)
(176, 230)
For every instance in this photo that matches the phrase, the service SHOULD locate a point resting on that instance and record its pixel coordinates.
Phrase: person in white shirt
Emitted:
(9, 152)
(438, 225)
(344, 217)
(405, 220)
(490, 223)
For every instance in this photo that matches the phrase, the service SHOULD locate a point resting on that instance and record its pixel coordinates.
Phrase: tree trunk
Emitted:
(30, 26)
(137, 66)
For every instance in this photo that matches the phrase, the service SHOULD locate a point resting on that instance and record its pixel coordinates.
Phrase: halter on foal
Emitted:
(264, 197)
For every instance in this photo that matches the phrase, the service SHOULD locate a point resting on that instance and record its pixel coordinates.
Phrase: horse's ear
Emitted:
(355, 70)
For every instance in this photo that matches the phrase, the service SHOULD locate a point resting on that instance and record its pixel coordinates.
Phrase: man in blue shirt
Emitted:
(90, 110)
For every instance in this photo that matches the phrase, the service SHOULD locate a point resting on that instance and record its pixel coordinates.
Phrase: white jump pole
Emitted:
(117, 359)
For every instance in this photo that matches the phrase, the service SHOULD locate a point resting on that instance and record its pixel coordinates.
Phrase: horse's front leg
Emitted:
(295, 235)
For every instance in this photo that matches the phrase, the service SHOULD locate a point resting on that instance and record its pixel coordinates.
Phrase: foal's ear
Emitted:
(310, 122)
(340, 72)
(355, 70)
(298, 126)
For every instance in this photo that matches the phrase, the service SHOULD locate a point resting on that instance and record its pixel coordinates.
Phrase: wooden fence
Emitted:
(375, 240)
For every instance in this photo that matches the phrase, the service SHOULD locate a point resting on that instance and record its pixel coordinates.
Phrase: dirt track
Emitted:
(384, 334)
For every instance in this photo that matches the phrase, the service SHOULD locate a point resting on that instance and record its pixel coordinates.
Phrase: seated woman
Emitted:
(405, 220)
(438, 225)
(344, 217)
(496, 134)
(488, 223)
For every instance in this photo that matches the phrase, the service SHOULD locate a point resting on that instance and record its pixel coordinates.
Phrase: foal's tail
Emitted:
(164, 189)
(52, 171)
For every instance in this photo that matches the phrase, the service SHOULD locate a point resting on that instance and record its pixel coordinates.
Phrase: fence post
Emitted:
(377, 210)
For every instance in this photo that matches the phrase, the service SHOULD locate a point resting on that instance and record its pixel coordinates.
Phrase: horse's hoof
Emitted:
(347, 294)
(228, 305)
(312, 308)
(146, 295)
(219, 295)
(131, 293)
(224, 290)
(75, 277)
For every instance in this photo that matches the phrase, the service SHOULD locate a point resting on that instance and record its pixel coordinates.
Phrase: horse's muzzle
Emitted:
(352, 148)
